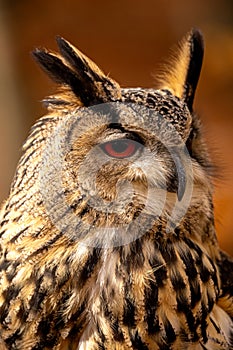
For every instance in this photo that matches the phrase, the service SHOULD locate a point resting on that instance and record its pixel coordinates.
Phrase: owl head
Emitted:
(119, 163)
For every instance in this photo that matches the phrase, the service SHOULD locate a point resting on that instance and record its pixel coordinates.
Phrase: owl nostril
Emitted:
(120, 148)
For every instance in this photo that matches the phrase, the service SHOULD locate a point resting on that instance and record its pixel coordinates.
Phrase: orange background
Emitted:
(127, 39)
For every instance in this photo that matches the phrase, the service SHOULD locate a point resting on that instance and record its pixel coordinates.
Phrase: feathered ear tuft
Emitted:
(74, 70)
(181, 75)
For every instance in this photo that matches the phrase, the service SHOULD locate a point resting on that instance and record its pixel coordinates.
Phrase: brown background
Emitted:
(128, 39)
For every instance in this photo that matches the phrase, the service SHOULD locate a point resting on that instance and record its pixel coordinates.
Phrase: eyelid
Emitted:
(108, 137)
(115, 135)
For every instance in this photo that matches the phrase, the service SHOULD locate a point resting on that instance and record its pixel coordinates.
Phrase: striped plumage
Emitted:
(168, 289)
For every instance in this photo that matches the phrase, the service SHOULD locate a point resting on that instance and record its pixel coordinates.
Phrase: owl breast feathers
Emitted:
(107, 238)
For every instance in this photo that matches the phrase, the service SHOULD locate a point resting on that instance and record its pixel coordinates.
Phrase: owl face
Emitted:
(118, 167)
(119, 160)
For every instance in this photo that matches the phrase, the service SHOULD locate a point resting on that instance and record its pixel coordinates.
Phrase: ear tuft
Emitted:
(181, 74)
(74, 70)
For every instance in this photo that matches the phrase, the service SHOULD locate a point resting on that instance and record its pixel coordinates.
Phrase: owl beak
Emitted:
(179, 161)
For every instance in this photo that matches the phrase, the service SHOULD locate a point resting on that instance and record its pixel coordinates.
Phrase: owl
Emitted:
(108, 238)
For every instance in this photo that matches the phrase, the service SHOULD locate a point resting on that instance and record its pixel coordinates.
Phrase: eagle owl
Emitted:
(108, 238)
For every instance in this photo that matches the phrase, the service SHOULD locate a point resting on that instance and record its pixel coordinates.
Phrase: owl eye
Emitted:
(120, 148)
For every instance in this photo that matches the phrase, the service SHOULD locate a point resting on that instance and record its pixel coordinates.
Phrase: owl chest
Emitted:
(152, 306)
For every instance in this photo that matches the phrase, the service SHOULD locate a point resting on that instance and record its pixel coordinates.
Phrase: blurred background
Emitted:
(127, 39)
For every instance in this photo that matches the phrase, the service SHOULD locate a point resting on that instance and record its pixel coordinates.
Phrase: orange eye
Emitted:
(120, 148)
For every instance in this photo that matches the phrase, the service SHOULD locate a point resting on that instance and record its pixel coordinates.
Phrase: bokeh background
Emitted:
(128, 39)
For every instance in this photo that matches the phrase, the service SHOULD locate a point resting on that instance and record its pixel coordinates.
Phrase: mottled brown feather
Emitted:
(167, 289)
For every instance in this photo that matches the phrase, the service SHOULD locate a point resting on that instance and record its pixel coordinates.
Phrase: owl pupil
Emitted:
(120, 146)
